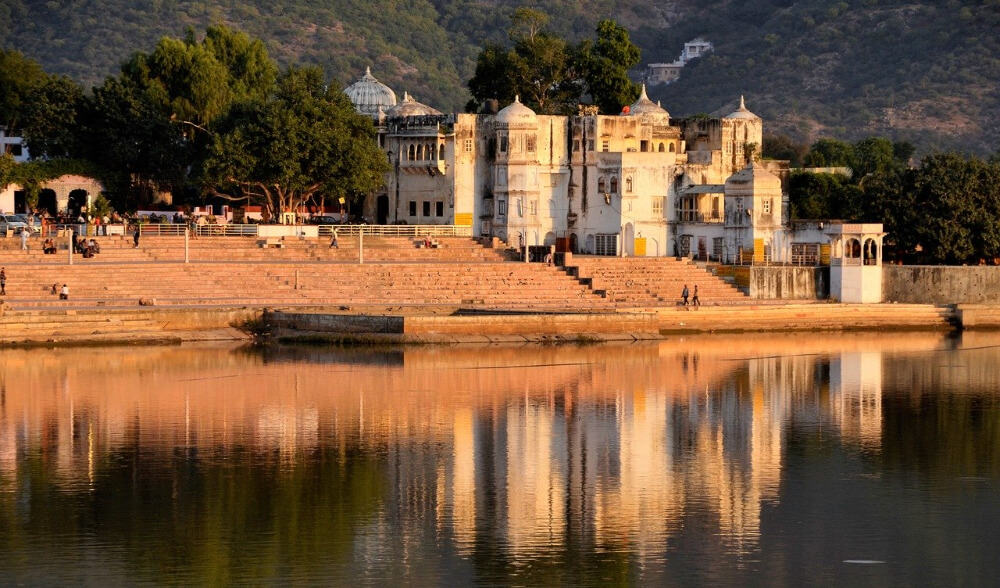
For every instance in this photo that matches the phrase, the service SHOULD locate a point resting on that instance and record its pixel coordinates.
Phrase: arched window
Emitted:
(628, 185)
(671, 147)
(871, 252)
(411, 153)
(441, 152)
(852, 249)
(601, 186)
(662, 148)
(614, 185)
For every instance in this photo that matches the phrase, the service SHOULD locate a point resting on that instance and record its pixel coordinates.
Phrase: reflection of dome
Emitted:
(369, 94)
(517, 114)
(410, 107)
(742, 112)
(646, 106)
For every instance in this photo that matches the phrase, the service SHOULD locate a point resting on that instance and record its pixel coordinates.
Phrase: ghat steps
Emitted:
(237, 271)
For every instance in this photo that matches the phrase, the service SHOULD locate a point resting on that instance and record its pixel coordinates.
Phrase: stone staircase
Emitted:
(652, 281)
(227, 271)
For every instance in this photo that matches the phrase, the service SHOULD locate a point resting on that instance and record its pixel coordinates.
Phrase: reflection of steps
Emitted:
(652, 281)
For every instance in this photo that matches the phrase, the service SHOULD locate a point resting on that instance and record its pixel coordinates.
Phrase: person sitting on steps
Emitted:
(64, 293)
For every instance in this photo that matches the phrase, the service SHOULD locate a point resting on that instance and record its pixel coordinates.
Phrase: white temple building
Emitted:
(638, 183)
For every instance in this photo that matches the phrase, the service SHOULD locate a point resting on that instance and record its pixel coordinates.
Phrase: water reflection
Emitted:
(530, 465)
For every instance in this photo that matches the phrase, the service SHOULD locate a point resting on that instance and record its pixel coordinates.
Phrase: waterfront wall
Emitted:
(789, 283)
(940, 284)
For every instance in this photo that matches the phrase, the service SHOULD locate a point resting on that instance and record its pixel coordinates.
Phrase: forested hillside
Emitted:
(922, 71)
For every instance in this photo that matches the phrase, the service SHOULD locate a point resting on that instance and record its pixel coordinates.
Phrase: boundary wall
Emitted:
(941, 284)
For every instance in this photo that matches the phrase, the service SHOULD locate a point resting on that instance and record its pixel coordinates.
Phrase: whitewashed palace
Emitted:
(632, 184)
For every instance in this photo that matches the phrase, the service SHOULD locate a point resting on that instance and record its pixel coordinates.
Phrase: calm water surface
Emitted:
(763, 460)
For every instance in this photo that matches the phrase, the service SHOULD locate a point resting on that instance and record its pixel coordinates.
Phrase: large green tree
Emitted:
(19, 78)
(304, 141)
(553, 75)
(151, 123)
(605, 64)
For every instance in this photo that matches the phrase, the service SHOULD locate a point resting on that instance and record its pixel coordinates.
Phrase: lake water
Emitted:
(778, 460)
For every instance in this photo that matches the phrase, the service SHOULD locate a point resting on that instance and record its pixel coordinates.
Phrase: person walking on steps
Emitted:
(24, 239)
(3, 281)
(684, 295)
(694, 299)
(333, 241)
(135, 237)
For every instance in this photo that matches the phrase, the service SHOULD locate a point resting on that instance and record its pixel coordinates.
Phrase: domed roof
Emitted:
(646, 106)
(369, 94)
(742, 112)
(517, 114)
(410, 107)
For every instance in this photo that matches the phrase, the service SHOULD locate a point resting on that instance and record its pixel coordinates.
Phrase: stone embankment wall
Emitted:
(941, 284)
(789, 283)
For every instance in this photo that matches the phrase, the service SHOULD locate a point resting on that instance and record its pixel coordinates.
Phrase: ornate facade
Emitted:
(638, 183)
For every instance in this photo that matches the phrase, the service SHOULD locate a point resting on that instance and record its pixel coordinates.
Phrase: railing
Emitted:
(397, 230)
(228, 230)
(251, 230)
(693, 216)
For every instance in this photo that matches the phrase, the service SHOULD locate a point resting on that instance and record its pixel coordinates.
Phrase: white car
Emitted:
(35, 224)
(10, 223)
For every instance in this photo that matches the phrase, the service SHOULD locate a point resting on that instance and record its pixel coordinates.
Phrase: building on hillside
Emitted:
(638, 183)
(13, 146)
(665, 73)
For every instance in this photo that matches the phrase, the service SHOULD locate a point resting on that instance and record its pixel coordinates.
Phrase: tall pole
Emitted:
(69, 246)
(187, 256)
(361, 244)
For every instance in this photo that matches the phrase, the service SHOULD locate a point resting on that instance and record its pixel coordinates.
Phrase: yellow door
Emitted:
(640, 247)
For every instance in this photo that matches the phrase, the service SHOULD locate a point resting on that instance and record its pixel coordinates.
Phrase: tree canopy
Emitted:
(198, 117)
(553, 75)
(946, 210)
(303, 141)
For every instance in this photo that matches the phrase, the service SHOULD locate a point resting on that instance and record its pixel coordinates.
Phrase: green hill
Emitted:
(924, 71)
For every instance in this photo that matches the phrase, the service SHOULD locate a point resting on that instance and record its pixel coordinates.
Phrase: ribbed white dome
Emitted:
(517, 114)
(645, 106)
(742, 112)
(369, 95)
(410, 107)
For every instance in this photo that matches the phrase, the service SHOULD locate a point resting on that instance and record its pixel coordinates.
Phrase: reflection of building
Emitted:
(856, 396)
(617, 445)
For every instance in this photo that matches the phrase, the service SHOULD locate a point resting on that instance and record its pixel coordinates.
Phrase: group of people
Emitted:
(88, 247)
(685, 293)
(63, 292)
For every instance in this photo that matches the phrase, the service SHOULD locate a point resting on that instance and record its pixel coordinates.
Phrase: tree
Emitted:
(783, 147)
(19, 77)
(51, 119)
(550, 74)
(285, 150)
(829, 153)
(872, 155)
(605, 64)
(151, 124)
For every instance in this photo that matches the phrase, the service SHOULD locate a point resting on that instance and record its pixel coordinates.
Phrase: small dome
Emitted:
(517, 114)
(369, 95)
(742, 112)
(410, 107)
(646, 106)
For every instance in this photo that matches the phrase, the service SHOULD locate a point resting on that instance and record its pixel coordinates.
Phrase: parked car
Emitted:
(324, 220)
(35, 224)
(10, 223)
